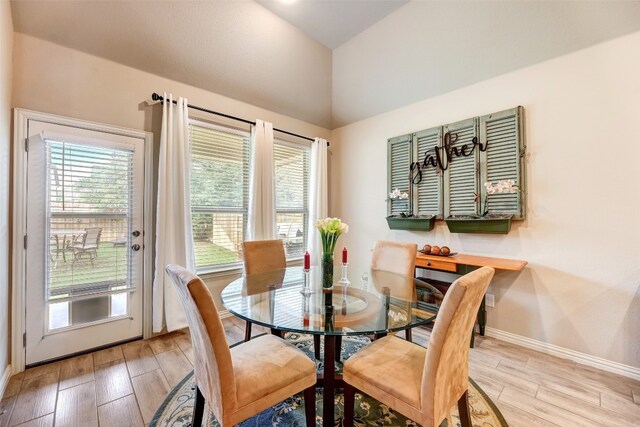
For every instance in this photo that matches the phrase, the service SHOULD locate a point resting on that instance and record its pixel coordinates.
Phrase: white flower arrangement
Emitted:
(330, 229)
(505, 186)
(398, 195)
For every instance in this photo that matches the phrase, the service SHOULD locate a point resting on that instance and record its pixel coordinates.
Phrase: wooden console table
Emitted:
(463, 264)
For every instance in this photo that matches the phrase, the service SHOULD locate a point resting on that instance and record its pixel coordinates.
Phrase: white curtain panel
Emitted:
(261, 223)
(318, 196)
(174, 240)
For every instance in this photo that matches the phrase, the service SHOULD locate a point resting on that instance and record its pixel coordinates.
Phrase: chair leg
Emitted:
(463, 410)
(198, 409)
(316, 346)
(310, 405)
(408, 335)
(247, 331)
(338, 348)
(349, 403)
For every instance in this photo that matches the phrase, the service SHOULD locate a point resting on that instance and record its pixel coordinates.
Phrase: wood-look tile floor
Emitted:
(124, 385)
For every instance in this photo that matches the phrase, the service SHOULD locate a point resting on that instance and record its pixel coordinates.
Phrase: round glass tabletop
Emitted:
(374, 302)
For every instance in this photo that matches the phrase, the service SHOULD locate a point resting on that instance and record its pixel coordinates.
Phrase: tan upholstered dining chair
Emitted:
(396, 257)
(243, 381)
(261, 256)
(423, 384)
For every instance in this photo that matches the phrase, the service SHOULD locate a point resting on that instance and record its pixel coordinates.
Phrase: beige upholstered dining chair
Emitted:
(241, 382)
(261, 256)
(396, 257)
(423, 384)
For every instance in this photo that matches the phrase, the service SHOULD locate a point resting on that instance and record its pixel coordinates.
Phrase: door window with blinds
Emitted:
(459, 190)
(291, 163)
(89, 203)
(219, 193)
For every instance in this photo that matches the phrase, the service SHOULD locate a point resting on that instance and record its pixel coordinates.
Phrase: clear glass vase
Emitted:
(327, 270)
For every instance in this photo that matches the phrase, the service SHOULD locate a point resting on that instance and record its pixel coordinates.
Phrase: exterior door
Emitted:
(84, 243)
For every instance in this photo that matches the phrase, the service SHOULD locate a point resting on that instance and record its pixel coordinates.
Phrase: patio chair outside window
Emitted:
(88, 245)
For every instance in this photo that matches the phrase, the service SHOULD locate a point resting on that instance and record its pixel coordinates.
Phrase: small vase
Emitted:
(327, 270)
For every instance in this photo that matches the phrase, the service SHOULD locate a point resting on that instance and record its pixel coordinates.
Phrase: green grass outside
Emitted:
(209, 254)
(111, 264)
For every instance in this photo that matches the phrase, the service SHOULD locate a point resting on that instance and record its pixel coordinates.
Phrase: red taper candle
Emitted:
(307, 260)
(344, 255)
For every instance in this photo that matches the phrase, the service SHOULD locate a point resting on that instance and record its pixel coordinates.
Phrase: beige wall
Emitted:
(58, 80)
(6, 46)
(581, 290)
(54, 79)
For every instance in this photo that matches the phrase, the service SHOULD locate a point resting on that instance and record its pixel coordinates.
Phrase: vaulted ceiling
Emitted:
(386, 54)
(332, 22)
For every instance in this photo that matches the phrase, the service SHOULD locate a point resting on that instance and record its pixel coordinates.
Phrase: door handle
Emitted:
(135, 247)
(135, 233)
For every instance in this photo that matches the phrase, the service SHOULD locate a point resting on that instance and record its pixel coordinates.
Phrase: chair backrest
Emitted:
(263, 255)
(446, 376)
(398, 285)
(395, 257)
(213, 367)
(91, 237)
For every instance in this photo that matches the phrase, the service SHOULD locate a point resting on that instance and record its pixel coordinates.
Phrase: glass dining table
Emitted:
(374, 303)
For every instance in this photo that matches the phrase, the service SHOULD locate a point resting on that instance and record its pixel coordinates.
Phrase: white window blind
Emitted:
(292, 195)
(219, 193)
(89, 190)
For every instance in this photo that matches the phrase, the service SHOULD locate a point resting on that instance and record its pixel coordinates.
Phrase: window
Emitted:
(292, 195)
(219, 193)
(220, 170)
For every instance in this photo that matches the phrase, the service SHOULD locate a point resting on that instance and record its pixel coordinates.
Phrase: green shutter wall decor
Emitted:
(400, 212)
(461, 179)
(427, 197)
(503, 160)
(444, 169)
(399, 153)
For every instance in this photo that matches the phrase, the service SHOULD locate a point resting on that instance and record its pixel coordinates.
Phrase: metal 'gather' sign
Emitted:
(440, 157)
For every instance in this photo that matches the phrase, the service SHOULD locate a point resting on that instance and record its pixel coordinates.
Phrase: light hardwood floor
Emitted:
(123, 386)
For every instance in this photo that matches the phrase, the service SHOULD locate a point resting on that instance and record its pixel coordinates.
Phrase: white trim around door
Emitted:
(21, 119)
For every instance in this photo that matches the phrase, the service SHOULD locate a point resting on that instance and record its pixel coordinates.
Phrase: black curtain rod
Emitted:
(156, 97)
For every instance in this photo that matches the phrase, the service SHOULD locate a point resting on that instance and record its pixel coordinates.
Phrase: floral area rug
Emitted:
(177, 409)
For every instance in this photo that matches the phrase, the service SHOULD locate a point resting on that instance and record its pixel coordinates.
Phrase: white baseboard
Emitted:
(565, 353)
(4, 381)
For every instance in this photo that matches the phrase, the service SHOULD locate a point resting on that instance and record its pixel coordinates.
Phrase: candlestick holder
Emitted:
(344, 301)
(306, 288)
(305, 311)
(344, 281)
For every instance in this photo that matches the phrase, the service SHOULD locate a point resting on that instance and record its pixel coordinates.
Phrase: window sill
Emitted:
(224, 271)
